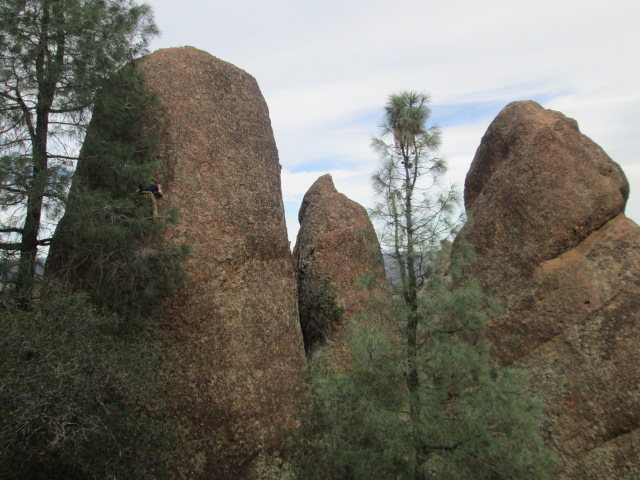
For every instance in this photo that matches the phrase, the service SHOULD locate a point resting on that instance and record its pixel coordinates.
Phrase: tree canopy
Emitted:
(54, 56)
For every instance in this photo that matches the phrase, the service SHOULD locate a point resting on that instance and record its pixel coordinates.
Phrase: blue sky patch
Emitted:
(321, 165)
(449, 115)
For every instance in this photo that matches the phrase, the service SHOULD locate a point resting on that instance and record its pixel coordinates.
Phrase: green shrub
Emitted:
(78, 395)
(477, 420)
(319, 310)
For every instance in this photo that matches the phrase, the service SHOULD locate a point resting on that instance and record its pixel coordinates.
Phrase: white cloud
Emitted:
(322, 66)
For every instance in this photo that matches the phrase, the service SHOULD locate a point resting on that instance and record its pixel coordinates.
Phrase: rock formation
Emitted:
(231, 333)
(337, 242)
(553, 245)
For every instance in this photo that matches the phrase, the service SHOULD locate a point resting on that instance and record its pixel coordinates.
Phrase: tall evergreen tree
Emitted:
(417, 220)
(54, 55)
(422, 399)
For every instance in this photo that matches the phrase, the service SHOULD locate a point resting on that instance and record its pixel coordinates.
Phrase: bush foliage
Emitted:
(81, 375)
(477, 420)
(79, 394)
(318, 308)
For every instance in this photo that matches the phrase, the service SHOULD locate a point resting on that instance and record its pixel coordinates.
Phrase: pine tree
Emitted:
(81, 375)
(477, 420)
(54, 55)
(422, 398)
(417, 218)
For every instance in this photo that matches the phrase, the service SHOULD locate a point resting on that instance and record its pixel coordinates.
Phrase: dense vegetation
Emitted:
(79, 394)
(81, 373)
(318, 308)
(477, 420)
(81, 369)
(421, 398)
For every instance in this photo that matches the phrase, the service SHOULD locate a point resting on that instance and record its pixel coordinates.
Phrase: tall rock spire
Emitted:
(337, 243)
(231, 333)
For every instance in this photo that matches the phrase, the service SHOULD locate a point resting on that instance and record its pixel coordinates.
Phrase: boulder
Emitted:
(337, 243)
(537, 187)
(231, 332)
(554, 247)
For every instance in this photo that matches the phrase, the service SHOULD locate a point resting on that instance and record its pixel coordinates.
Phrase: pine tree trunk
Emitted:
(411, 300)
(29, 244)
(48, 70)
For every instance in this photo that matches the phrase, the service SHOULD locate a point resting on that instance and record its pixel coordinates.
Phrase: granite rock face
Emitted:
(337, 241)
(554, 247)
(538, 187)
(233, 329)
(231, 333)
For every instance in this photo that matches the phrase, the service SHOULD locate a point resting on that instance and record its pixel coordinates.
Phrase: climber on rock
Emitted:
(152, 191)
(154, 188)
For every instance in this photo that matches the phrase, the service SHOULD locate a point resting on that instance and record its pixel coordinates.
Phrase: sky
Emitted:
(326, 69)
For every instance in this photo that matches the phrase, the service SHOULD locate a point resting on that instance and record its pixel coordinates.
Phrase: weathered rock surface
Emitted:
(337, 241)
(616, 459)
(231, 332)
(554, 246)
(233, 329)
